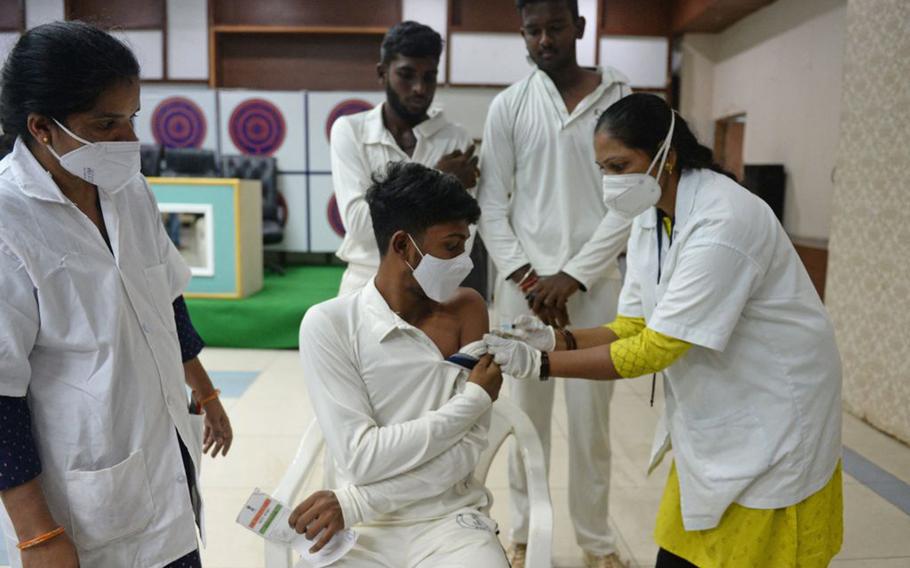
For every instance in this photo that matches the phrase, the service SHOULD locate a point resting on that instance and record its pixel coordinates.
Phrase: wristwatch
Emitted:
(544, 366)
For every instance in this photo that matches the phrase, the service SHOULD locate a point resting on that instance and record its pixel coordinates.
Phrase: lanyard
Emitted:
(660, 252)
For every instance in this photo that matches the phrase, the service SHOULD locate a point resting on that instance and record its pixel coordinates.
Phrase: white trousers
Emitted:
(588, 404)
(355, 277)
(466, 539)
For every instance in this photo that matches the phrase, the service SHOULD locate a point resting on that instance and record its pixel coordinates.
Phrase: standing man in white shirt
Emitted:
(404, 423)
(555, 246)
(404, 128)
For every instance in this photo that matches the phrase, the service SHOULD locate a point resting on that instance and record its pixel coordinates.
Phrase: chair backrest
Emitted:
(190, 162)
(262, 168)
(507, 420)
(150, 159)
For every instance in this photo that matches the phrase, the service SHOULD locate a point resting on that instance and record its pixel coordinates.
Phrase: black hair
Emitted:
(641, 121)
(573, 5)
(59, 69)
(410, 39)
(412, 197)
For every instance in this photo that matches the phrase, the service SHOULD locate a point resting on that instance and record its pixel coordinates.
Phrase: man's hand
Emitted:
(516, 358)
(462, 165)
(319, 514)
(519, 275)
(487, 375)
(58, 552)
(548, 298)
(218, 435)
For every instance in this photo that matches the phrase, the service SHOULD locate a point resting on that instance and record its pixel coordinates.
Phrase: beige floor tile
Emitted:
(873, 528)
(883, 450)
(218, 359)
(254, 461)
(902, 562)
(229, 544)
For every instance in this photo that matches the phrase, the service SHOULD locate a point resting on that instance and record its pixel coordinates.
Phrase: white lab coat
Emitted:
(363, 147)
(91, 340)
(753, 409)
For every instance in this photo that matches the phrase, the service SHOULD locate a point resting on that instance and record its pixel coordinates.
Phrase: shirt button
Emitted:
(145, 328)
(181, 478)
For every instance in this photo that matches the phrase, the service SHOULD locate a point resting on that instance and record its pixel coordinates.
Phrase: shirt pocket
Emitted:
(730, 447)
(159, 294)
(110, 504)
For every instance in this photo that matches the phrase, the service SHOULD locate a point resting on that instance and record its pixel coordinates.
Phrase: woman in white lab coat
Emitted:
(717, 300)
(98, 452)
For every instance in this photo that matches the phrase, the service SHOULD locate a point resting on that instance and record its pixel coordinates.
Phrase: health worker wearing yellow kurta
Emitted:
(716, 299)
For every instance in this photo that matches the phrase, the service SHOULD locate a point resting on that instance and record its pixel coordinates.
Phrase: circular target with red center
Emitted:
(257, 127)
(177, 122)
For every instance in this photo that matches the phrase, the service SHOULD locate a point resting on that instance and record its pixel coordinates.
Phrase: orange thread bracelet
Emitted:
(41, 539)
(208, 399)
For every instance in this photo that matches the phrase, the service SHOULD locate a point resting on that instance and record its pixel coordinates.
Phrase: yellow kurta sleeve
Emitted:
(645, 353)
(624, 326)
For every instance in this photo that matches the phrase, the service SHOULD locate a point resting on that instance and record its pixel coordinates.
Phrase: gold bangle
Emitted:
(41, 539)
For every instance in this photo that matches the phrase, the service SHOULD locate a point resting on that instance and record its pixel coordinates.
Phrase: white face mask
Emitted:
(439, 278)
(630, 195)
(108, 165)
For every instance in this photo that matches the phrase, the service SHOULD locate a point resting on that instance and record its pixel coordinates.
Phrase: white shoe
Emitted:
(516, 555)
(608, 561)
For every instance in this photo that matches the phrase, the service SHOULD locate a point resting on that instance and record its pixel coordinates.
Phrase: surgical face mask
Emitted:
(108, 165)
(630, 195)
(439, 278)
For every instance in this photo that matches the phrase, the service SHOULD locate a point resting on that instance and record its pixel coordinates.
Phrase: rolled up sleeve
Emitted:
(19, 325)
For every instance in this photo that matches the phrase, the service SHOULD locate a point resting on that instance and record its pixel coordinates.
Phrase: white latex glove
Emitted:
(532, 331)
(514, 357)
(476, 349)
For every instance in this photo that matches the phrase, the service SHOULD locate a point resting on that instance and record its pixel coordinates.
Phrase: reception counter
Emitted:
(217, 226)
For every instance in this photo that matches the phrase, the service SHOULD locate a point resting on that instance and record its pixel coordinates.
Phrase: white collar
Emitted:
(375, 131)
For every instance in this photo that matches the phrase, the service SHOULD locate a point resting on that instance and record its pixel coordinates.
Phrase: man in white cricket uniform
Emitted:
(404, 128)
(555, 247)
(404, 424)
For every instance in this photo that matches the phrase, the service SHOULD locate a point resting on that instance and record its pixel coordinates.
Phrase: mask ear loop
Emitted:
(665, 147)
(420, 252)
(71, 134)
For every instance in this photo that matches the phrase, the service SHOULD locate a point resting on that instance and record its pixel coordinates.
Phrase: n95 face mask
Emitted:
(108, 165)
(630, 195)
(439, 278)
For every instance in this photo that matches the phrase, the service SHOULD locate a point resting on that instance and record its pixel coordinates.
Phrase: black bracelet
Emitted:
(569, 337)
(544, 366)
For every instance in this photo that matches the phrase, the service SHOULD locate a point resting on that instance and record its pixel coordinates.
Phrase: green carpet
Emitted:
(271, 318)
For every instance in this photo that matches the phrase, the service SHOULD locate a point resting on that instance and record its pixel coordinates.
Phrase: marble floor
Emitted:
(265, 396)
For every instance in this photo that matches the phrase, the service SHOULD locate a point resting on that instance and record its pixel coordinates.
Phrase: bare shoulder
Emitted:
(470, 309)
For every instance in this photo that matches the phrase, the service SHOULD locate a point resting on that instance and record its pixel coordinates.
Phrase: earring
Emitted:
(669, 168)
(45, 140)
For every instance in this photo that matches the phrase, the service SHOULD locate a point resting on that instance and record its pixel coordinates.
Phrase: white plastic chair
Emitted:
(507, 419)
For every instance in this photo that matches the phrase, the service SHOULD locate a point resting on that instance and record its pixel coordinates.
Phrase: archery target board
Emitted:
(178, 118)
(323, 109)
(293, 188)
(326, 229)
(264, 123)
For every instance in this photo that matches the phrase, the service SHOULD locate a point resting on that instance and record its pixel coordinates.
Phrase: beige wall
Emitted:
(467, 106)
(782, 66)
(868, 291)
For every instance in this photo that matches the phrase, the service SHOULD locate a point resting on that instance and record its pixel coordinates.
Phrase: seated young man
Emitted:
(404, 426)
